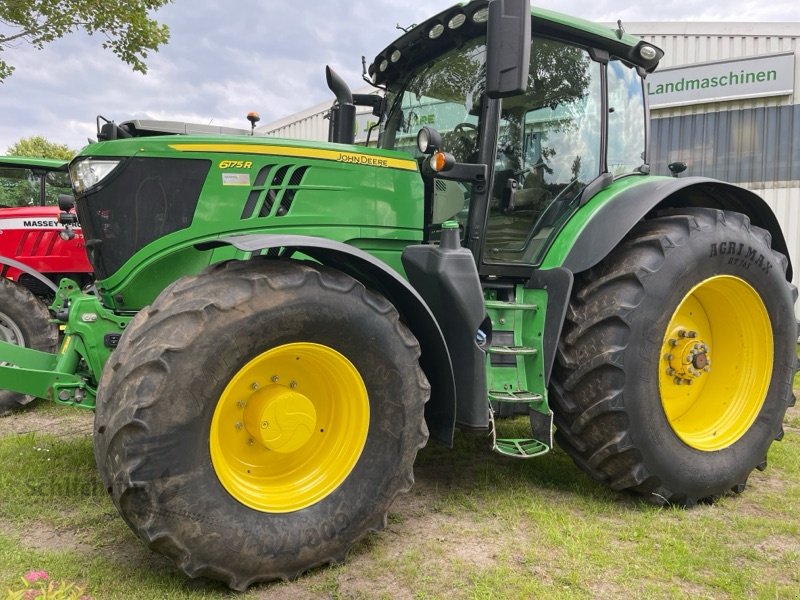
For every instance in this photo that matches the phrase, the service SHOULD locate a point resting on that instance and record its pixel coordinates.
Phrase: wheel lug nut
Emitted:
(673, 342)
(670, 372)
(274, 379)
(677, 381)
(681, 333)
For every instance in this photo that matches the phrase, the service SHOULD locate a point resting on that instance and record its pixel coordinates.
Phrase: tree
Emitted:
(38, 147)
(130, 33)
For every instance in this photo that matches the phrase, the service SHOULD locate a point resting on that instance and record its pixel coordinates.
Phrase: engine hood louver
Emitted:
(274, 191)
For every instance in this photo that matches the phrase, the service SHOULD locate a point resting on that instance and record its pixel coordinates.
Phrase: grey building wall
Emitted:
(745, 146)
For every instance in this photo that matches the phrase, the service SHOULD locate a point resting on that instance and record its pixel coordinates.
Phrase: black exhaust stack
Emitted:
(343, 113)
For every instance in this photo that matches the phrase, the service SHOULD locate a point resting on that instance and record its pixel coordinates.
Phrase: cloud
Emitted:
(226, 59)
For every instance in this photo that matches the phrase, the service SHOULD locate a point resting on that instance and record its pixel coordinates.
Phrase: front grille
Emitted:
(144, 200)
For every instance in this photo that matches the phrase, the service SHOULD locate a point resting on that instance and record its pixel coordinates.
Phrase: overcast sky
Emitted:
(225, 59)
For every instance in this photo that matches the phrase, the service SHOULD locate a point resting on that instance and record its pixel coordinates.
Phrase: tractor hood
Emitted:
(143, 198)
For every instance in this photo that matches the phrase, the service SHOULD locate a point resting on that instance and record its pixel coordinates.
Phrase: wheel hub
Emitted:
(281, 419)
(688, 358)
(10, 331)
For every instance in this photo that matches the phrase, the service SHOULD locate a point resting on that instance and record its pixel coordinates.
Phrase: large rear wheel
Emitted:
(24, 321)
(260, 418)
(675, 368)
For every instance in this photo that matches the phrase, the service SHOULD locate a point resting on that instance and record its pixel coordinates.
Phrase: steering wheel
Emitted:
(461, 128)
(462, 142)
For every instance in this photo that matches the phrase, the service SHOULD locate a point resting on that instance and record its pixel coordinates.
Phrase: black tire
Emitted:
(157, 398)
(606, 392)
(24, 320)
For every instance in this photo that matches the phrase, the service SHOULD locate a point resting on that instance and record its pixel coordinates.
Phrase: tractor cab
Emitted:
(32, 181)
(577, 121)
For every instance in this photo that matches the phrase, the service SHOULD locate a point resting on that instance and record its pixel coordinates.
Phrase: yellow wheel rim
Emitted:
(289, 427)
(716, 363)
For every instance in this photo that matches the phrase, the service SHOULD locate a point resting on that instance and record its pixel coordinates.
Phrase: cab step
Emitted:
(510, 305)
(521, 396)
(541, 427)
(512, 350)
(520, 448)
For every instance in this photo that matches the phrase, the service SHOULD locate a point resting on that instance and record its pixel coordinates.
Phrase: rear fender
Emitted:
(612, 221)
(440, 411)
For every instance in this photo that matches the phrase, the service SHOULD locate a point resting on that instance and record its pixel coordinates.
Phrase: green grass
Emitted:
(475, 526)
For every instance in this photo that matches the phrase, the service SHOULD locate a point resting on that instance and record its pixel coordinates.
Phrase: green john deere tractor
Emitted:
(279, 325)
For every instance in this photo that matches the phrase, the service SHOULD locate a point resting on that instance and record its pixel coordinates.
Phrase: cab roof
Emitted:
(417, 44)
(42, 164)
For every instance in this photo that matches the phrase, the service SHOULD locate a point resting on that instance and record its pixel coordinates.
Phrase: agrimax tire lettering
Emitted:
(741, 255)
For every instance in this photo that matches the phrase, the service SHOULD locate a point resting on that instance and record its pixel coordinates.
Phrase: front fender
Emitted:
(606, 219)
(440, 411)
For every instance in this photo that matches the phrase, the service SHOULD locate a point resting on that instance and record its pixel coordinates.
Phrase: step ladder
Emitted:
(509, 363)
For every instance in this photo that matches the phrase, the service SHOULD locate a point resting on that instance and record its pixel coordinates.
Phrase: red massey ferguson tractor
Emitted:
(40, 243)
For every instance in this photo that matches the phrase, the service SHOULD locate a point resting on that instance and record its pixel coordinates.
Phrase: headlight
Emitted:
(88, 172)
(647, 52)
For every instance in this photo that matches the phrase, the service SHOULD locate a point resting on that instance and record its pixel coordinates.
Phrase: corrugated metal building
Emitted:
(725, 101)
(309, 124)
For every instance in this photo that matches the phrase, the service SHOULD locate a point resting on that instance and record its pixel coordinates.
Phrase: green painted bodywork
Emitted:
(581, 219)
(593, 29)
(526, 327)
(70, 376)
(376, 208)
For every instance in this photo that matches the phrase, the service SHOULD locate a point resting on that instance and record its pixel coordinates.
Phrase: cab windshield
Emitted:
(445, 94)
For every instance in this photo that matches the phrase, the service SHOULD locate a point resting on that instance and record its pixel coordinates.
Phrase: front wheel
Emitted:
(675, 368)
(24, 321)
(258, 419)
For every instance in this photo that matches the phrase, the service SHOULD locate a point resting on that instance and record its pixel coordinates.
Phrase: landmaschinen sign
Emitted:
(754, 77)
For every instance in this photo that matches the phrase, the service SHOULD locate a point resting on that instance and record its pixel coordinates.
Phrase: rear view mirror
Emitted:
(66, 202)
(508, 48)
